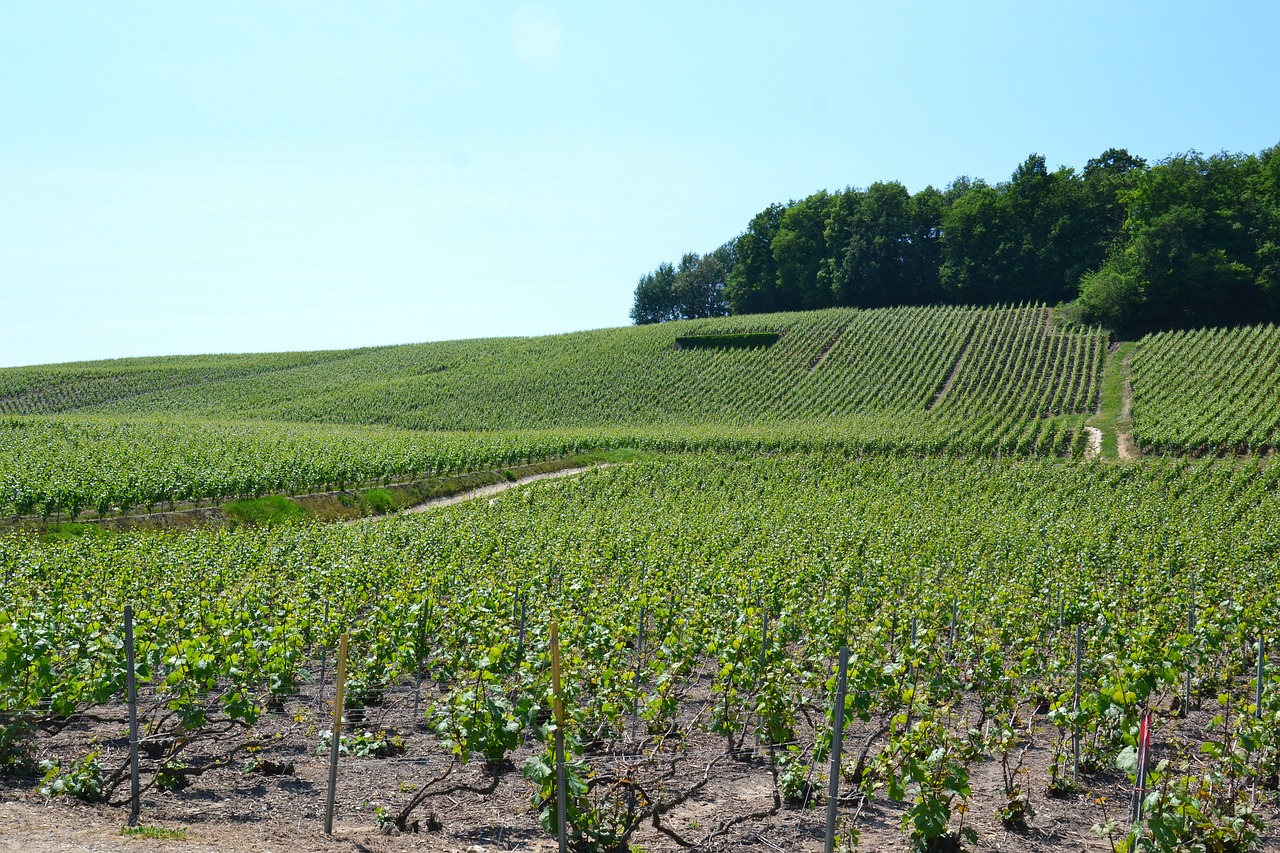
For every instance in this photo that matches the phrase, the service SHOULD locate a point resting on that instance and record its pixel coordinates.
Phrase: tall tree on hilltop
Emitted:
(752, 283)
(700, 283)
(655, 297)
(799, 248)
(889, 256)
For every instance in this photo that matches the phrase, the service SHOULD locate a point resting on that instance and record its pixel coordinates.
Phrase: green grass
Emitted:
(163, 833)
(64, 532)
(265, 512)
(1112, 397)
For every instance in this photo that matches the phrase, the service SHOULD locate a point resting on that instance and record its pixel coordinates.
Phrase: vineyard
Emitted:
(701, 600)
(115, 438)
(1030, 634)
(825, 363)
(1208, 391)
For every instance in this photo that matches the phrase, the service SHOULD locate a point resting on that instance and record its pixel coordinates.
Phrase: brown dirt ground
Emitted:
(245, 812)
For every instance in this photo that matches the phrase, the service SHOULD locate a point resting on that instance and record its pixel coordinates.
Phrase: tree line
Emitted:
(1191, 240)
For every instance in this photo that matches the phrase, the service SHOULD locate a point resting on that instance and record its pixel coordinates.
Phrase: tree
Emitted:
(799, 249)
(752, 284)
(700, 283)
(1265, 187)
(1189, 242)
(890, 256)
(655, 298)
(976, 253)
(1028, 239)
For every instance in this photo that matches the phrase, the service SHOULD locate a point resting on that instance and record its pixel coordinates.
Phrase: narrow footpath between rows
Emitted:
(485, 491)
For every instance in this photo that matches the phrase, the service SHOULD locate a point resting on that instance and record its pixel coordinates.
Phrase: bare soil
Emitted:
(729, 802)
(941, 393)
(1094, 449)
(496, 488)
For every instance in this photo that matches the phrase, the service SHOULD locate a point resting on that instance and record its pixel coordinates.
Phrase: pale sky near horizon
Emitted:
(181, 177)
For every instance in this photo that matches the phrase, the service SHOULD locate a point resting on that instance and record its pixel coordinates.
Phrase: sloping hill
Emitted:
(108, 436)
(1208, 391)
(1006, 362)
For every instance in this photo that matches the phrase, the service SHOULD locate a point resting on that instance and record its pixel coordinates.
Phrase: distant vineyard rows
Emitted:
(826, 363)
(1208, 391)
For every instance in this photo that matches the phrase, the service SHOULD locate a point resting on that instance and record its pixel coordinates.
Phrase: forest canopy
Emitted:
(1191, 240)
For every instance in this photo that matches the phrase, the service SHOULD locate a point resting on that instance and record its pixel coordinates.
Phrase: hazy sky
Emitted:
(182, 177)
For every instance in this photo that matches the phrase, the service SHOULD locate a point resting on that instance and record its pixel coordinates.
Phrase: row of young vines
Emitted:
(710, 595)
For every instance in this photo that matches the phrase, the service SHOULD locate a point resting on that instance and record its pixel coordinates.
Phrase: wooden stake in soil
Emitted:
(1075, 732)
(324, 660)
(417, 669)
(562, 831)
(520, 632)
(1140, 785)
(1262, 664)
(764, 648)
(635, 687)
(338, 700)
(131, 685)
(837, 742)
(951, 636)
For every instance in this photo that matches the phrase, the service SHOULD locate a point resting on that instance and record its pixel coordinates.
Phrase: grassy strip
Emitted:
(1108, 418)
(158, 832)
(330, 506)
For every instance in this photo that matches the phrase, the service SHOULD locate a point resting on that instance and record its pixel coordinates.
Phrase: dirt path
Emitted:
(831, 344)
(955, 369)
(1094, 449)
(485, 491)
(31, 828)
(1109, 428)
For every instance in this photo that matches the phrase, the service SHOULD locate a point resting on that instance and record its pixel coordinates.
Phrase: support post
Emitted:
(837, 744)
(338, 699)
(635, 686)
(1262, 670)
(1075, 728)
(562, 805)
(131, 685)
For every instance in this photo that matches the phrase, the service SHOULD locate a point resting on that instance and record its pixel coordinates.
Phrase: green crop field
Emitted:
(918, 485)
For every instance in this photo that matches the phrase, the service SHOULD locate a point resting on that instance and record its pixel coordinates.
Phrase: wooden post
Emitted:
(562, 805)
(1191, 627)
(334, 744)
(324, 660)
(131, 685)
(951, 636)
(1140, 785)
(1262, 668)
(635, 686)
(520, 632)
(1075, 728)
(421, 641)
(837, 743)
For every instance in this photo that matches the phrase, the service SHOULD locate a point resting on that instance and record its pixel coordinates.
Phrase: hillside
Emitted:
(837, 362)
(107, 437)
(916, 485)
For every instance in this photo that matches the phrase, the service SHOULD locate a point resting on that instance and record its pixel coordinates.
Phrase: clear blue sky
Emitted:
(181, 177)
